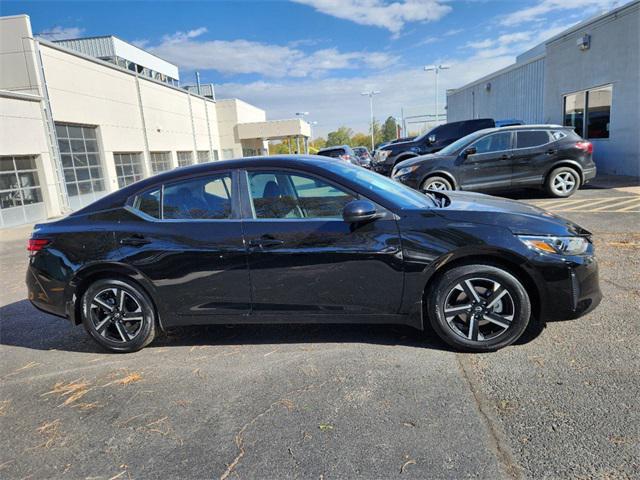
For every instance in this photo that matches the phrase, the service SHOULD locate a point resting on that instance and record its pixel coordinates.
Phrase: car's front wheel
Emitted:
(437, 183)
(119, 315)
(478, 308)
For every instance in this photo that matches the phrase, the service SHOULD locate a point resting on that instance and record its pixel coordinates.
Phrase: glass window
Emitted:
(531, 138)
(599, 112)
(74, 142)
(203, 198)
(203, 156)
(283, 195)
(215, 155)
(128, 168)
(160, 161)
(185, 158)
(19, 182)
(149, 203)
(496, 142)
(574, 106)
(227, 153)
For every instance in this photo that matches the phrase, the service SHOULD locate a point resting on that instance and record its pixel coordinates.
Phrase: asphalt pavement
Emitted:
(332, 402)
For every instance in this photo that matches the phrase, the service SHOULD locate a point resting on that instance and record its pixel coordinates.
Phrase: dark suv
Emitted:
(387, 156)
(499, 158)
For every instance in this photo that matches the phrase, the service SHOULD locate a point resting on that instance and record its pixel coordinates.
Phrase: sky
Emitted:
(318, 56)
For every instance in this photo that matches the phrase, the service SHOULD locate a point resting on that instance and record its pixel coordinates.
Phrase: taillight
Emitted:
(586, 146)
(37, 244)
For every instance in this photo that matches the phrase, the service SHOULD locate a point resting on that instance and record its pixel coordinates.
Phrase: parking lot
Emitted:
(332, 402)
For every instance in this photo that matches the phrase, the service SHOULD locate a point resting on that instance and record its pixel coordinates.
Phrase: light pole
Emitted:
(436, 70)
(370, 94)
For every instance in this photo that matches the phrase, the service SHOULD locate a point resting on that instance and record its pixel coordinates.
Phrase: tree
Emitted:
(342, 136)
(316, 144)
(361, 140)
(389, 130)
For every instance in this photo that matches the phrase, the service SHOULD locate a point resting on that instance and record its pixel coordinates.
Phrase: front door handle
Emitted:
(135, 240)
(265, 241)
(551, 151)
(505, 157)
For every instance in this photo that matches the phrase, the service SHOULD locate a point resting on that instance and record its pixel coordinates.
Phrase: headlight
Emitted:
(557, 245)
(405, 170)
(381, 155)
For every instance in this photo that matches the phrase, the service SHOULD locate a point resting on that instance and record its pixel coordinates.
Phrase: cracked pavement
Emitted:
(327, 401)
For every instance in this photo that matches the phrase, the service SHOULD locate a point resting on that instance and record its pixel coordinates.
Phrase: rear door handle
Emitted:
(135, 240)
(551, 151)
(505, 157)
(265, 242)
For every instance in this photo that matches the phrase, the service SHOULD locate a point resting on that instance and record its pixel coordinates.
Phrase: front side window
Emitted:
(80, 159)
(574, 106)
(531, 138)
(599, 112)
(286, 195)
(160, 161)
(496, 142)
(202, 198)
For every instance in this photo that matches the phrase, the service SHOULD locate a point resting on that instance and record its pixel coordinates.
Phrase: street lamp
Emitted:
(370, 94)
(436, 70)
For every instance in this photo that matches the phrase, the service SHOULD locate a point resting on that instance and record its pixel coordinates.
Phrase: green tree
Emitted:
(361, 140)
(389, 130)
(316, 144)
(342, 136)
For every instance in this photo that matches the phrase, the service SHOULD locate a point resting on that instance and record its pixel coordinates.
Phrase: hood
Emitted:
(518, 217)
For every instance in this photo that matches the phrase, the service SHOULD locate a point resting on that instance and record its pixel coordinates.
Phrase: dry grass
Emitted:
(73, 391)
(51, 433)
(23, 368)
(4, 406)
(128, 379)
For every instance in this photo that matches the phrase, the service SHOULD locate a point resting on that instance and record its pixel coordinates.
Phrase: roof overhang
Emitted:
(274, 129)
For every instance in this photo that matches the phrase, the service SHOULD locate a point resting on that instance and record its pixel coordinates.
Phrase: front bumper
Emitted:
(572, 289)
(382, 168)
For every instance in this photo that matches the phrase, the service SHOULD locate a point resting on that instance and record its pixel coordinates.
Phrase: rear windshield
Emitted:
(335, 153)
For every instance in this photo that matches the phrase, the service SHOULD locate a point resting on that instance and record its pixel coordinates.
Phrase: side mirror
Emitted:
(358, 211)
(469, 151)
(431, 138)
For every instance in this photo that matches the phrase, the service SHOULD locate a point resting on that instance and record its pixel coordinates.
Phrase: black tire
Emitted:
(123, 332)
(440, 183)
(562, 182)
(456, 326)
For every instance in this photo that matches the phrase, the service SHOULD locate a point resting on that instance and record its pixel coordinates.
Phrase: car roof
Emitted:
(539, 126)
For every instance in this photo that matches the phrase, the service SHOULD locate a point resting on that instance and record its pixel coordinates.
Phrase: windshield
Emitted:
(454, 147)
(396, 192)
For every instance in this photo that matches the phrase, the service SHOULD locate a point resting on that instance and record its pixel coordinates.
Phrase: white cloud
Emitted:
(546, 6)
(61, 33)
(380, 13)
(249, 57)
(333, 102)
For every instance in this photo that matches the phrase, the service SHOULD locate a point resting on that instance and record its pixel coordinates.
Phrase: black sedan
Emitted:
(546, 156)
(307, 240)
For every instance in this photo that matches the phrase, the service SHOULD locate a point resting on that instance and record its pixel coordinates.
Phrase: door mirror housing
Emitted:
(469, 151)
(431, 138)
(358, 211)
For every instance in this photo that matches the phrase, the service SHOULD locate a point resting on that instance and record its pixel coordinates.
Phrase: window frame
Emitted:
(247, 210)
(511, 143)
(585, 116)
(235, 198)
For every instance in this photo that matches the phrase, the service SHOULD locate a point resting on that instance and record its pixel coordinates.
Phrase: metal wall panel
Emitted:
(97, 47)
(516, 92)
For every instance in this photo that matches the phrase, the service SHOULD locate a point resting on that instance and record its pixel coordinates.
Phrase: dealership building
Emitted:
(82, 118)
(587, 77)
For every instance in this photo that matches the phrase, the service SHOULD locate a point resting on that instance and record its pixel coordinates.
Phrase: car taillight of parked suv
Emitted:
(549, 156)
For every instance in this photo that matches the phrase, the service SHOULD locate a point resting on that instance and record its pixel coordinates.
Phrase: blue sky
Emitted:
(318, 55)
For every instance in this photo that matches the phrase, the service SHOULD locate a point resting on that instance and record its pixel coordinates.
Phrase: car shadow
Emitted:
(21, 325)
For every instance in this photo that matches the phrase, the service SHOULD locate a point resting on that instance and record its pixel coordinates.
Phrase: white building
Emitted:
(74, 127)
(587, 77)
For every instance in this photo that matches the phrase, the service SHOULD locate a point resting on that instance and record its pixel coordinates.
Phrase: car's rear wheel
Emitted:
(436, 183)
(478, 308)
(563, 182)
(119, 315)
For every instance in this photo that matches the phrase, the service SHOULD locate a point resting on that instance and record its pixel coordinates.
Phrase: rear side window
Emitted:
(531, 138)
(202, 198)
(148, 203)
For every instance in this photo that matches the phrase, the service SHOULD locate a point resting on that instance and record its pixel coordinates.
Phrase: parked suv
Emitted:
(549, 156)
(389, 155)
(342, 152)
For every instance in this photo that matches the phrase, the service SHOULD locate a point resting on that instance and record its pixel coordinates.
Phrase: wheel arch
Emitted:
(565, 163)
(441, 173)
(85, 277)
(505, 260)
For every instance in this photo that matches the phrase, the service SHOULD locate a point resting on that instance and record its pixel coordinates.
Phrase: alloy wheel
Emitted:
(116, 315)
(437, 185)
(563, 183)
(479, 309)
